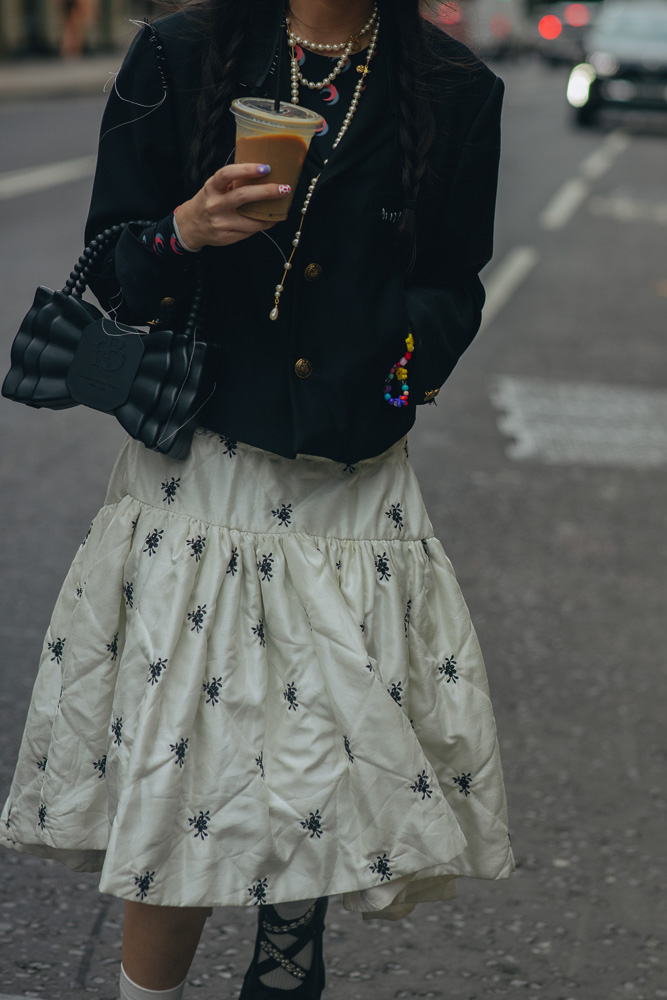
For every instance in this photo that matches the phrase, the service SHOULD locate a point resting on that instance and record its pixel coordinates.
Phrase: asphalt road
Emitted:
(544, 468)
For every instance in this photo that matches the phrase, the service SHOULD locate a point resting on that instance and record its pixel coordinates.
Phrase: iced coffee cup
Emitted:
(280, 139)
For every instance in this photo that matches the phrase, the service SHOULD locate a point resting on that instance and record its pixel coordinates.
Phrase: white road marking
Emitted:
(564, 204)
(602, 159)
(505, 279)
(579, 423)
(18, 182)
(624, 208)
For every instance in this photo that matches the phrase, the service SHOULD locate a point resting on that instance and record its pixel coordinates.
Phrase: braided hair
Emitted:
(227, 24)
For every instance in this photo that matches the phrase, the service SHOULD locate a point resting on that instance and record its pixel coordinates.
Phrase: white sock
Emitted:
(280, 979)
(130, 990)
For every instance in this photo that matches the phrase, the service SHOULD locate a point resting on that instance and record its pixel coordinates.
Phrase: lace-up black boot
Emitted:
(304, 929)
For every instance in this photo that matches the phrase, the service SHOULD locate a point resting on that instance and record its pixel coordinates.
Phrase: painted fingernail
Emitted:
(264, 168)
(284, 189)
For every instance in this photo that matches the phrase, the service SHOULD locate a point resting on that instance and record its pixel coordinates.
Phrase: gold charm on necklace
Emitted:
(355, 45)
(364, 70)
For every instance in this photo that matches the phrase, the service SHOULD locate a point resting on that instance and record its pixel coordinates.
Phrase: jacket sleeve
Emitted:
(444, 295)
(139, 175)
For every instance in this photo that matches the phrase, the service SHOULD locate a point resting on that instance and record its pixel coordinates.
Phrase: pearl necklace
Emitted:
(324, 47)
(352, 45)
(364, 71)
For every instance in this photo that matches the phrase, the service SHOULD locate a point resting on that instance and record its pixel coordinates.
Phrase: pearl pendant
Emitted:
(274, 313)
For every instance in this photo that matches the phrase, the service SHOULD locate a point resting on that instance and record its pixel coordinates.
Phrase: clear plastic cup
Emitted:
(280, 139)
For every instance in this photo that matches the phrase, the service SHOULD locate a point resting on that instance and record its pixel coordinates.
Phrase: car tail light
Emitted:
(550, 26)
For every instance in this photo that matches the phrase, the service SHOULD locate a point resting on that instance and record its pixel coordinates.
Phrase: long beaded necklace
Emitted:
(363, 70)
(352, 45)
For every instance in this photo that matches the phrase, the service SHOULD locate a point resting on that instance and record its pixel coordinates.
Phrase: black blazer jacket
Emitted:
(351, 321)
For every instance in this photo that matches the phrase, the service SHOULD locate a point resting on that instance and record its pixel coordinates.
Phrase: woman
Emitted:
(261, 685)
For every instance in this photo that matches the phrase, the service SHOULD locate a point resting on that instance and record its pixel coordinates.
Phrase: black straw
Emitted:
(281, 45)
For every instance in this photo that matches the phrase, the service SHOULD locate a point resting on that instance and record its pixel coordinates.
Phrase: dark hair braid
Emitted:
(225, 27)
(416, 121)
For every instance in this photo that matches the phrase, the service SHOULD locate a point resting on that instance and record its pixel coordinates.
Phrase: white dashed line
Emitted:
(18, 182)
(580, 423)
(623, 208)
(505, 279)
(602, 159)
(564, 204)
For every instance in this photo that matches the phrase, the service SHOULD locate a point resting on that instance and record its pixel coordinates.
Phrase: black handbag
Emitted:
(67, 352)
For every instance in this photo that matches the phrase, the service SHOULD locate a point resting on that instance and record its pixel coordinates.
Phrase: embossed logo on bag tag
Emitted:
(105, 364)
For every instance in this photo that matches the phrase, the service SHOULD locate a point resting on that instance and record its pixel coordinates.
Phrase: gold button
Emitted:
(313, 272)
(168, 302)
(430, 395)
(303, 367)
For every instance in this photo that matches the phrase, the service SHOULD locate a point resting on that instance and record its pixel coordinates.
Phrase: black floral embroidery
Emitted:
(396, 691)
(155, 671)
(41, 764)
(197, 618)
(338, 565)
(260, 763)
(170, 486)
(152, 541)
(395, 514)
(382, 566)
(406, 618)
(41, 814)
(350, 468)
(180, 749)
(128, 590)
(258, 630)
(234, 562)
(231, 446)
(101, 766)
(134, 524)
(144, 883)
(117, 730)
(57, 648)
(87, 535)
(265, 566)
(284, 514)
(314, 824)
(382, 867)
(290, 696)
(422, 787)
(406, 449)
(197, 545)
(200, 824)
(425, 547)
(348, 749)
(464, 782)
(8, 821)
(79, 591)
(448, 668)
(369, 666)
(363, 626)
(112, 647)
(212, 689)
(258, 891)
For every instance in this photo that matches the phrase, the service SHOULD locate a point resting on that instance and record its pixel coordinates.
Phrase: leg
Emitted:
(159, 943)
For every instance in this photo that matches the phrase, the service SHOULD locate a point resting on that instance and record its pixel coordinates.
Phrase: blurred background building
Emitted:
(35, 27)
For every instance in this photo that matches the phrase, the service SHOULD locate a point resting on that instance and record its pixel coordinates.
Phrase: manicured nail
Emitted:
(284, 189)
(264, 168)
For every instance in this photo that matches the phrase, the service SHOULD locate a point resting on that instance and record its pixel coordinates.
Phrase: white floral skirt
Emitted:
(261, 683)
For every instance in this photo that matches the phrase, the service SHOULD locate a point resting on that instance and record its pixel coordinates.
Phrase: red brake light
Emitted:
(550, 26)
(577, 15)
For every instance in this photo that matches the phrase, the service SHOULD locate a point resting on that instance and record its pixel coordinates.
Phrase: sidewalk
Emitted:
(25, 79)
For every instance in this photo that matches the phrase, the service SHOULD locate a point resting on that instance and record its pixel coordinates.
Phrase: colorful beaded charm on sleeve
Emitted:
(399, 373)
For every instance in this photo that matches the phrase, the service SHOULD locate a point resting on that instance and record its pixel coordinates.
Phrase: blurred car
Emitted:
(494, 29)
(625, 62)
(561, 28)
